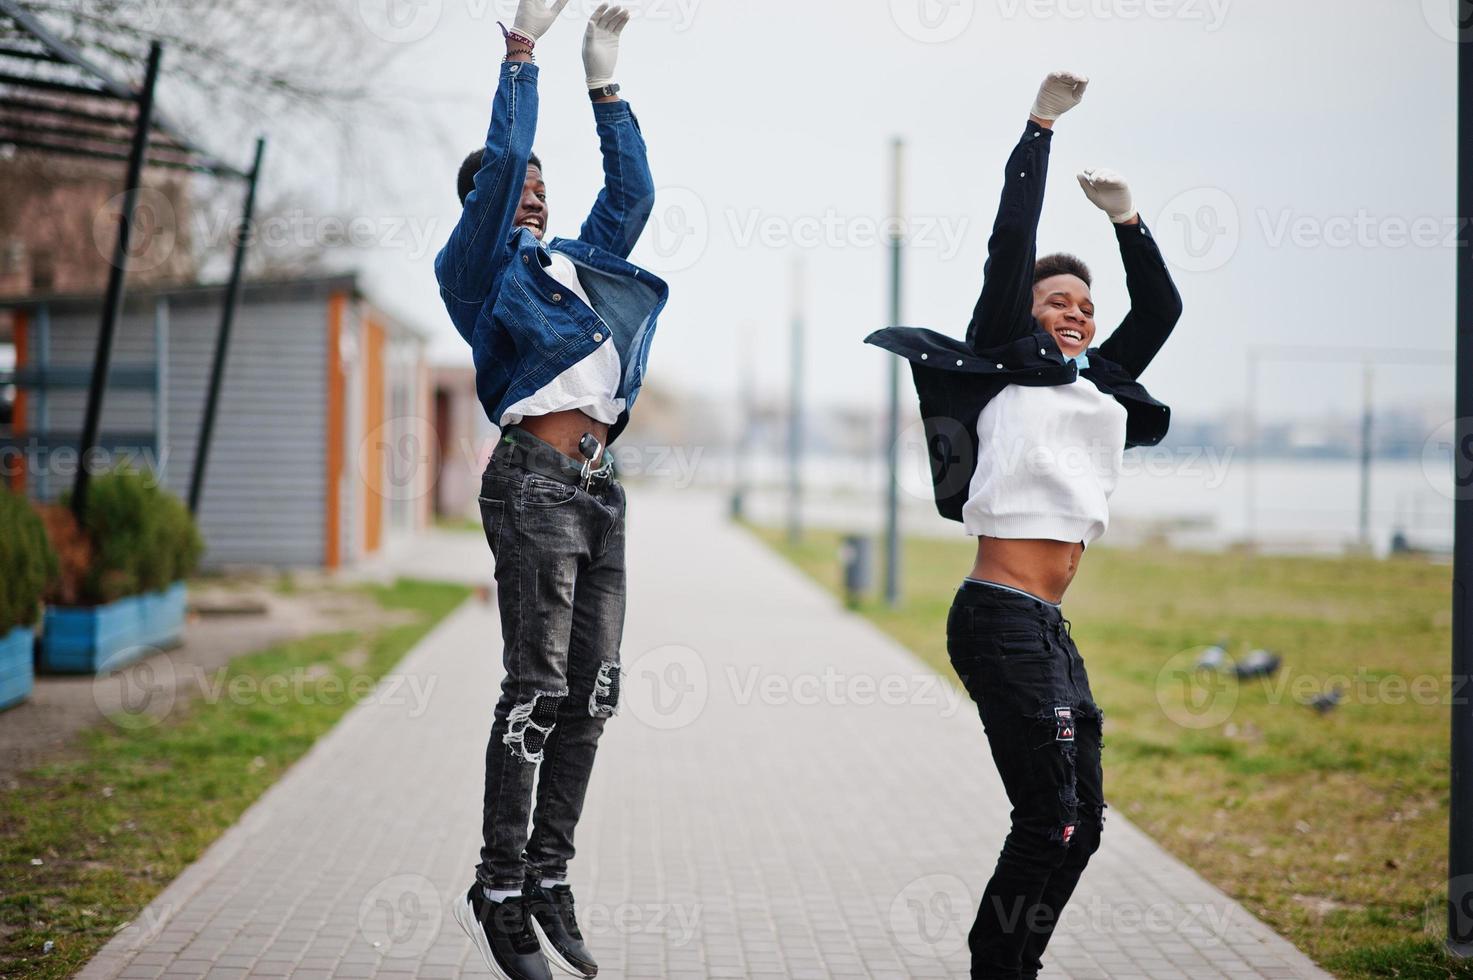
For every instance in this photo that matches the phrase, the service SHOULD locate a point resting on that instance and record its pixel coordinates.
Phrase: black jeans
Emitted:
(559, 553)
(1019, 663)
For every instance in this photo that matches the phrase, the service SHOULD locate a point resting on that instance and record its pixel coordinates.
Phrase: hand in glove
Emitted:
(1109, 192)
(601, 44)
(1060, 92)
(534, 17)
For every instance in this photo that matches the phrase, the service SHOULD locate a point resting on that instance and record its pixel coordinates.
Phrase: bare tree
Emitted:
(301, 70)
(229, 63)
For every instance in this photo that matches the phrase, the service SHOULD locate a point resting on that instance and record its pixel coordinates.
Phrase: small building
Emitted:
(323, 450)
(466, 439)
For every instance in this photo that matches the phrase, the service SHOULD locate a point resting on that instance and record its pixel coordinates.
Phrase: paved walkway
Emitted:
(786, 793)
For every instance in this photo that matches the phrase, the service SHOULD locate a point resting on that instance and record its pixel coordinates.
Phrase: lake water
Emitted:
(1203, 503)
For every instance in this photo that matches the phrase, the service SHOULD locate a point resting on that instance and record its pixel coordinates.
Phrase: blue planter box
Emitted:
(98, 639)
(17, 666)
(163, 616)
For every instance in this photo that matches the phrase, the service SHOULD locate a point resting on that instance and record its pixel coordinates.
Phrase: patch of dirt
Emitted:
(228, 616)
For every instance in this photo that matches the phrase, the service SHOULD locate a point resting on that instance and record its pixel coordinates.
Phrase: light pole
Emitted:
(795, 414)
(1460, 809)
(892, 428)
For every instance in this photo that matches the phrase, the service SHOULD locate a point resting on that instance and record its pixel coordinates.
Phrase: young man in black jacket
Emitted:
(1008, 416)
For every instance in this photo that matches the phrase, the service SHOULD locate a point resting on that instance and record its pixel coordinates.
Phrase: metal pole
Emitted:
(1460, 810)
(795, 414)
(113, 304)
(747, 406)
(41, 341)
(1365, 460)
(1250, 468)
(892, 429)
(222, 340)
(160, 386)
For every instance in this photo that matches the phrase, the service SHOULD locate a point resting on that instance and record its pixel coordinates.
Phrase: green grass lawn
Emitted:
(88, 840)
(467, 524)
(1332, 828)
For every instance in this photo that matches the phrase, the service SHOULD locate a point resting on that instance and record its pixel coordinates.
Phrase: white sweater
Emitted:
(1050, 458)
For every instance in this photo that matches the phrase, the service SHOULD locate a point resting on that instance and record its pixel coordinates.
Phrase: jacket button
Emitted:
(525, 260)
(1044, 353)
(598, 337)
(958, 363)
(925, 357)
(557, 297)
(999, 367)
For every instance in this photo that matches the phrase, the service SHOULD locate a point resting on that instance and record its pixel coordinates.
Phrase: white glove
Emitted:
(1060, 92)
(534, 17)
(601, 44)
(1109, 192)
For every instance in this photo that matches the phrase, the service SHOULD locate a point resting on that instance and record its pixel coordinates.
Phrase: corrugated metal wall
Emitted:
(350, 348)
(264, 494)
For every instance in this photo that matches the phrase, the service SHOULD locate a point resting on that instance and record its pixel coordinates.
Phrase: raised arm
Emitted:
(468, 266)
(1155, 305)
(623, 205)
(1004, 310)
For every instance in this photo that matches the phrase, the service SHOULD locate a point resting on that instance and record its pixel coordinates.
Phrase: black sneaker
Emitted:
(502, 931)
(552, 915)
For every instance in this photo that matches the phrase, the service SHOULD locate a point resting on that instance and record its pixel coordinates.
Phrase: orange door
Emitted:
(373, 422)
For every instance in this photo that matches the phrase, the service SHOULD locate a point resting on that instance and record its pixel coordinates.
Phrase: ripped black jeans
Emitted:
(559, 553)
(1019, 663)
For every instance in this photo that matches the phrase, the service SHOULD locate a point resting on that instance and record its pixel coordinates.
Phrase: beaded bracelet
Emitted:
(515, 35)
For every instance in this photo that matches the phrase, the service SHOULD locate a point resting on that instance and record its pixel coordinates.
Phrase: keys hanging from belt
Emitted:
(593, 452)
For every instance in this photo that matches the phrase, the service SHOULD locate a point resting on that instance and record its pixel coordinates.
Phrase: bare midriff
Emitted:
(1038, 565)
(563, 430)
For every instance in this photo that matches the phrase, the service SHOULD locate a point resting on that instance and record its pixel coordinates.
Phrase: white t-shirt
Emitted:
(1050, 458)
(589, 384)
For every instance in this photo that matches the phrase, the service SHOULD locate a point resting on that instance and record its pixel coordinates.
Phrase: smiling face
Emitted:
(532, 209)
(1063, 307)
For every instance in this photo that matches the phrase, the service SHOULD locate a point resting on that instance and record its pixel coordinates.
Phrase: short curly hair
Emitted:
(1060, 264)
(466, 178)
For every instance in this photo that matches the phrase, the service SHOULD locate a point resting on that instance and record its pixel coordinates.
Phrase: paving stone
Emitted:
(784, 793)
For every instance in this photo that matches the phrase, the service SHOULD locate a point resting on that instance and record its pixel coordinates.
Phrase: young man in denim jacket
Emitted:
(560, 333)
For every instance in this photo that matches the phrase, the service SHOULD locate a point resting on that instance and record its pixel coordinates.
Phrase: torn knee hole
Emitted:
(529, 724)
(604, 701)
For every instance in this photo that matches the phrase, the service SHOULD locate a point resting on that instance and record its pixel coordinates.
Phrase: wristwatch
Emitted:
(603, 91)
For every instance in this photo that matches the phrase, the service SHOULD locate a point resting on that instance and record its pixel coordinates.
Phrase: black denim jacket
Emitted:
(1006, 345)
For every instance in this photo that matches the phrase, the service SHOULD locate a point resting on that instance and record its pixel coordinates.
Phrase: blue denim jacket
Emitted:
(523, 329)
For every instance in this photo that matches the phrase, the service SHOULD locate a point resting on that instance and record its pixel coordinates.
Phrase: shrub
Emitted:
(73, 551)
(183, 543)
(30, 564)
(141, 539)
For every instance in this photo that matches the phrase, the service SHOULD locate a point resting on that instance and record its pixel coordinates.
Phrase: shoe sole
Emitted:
(555, 957)
(466, 916)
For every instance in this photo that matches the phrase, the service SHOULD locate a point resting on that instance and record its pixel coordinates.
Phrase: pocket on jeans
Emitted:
(492, 512)
(539, 491)
(1014, 641)
(959, 621)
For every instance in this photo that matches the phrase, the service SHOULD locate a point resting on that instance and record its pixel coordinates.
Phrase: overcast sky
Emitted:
(1296, 161)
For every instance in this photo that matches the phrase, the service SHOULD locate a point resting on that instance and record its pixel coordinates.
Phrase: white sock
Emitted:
(552, 882)
(499, 894)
